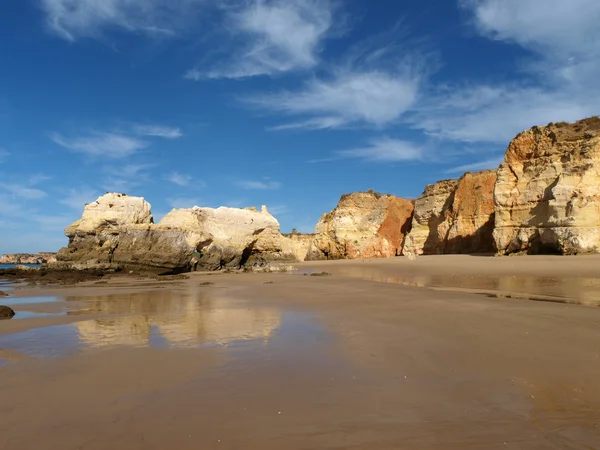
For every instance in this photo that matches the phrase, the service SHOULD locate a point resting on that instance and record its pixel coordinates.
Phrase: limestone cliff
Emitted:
(118, 230)
(548, 191)
(363, 225)
(454, 216)
(28, 258)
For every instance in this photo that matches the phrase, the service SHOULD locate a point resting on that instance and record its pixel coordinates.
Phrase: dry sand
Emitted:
(361, 359)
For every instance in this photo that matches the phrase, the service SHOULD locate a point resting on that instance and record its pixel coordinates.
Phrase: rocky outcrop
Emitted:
(297, 244)
(548, 191)
(28, 258)
(118, 231)
(6, 312)
(428, 231)
(363, 225)
(454, 216)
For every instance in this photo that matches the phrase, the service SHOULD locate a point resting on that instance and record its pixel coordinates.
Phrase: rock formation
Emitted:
(28, 258)
(454, 216)
(548, 191)
(6, 312)
(118, 231)
(362, 225)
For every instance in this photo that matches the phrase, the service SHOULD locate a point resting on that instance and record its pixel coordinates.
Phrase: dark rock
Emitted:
(6, 312)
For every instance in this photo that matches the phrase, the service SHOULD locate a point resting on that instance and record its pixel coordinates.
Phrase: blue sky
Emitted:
(288, 103)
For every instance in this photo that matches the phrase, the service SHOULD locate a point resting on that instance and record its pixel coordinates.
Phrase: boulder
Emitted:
(362, 225)
(193, 238)
(547, 195)
(6, 312)
(25, 268)
(454, 216)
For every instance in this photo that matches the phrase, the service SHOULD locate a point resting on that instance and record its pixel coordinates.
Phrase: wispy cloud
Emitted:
(78, 198)
(258, 185)
(273, 37)
(491, 163)
(179, 179)
(386, 150)
(348, 98)
(158, 131)
(108, 145)
(183, 202)
(567, 28)
(559, 78)
(74, 19)
(123, 179)
(23, 192)
(3, 154)
(278, 210)
(374, 85)
(495, 113)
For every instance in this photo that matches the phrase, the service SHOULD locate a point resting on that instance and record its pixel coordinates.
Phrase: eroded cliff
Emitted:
(454, 216)
(118, 230)
(548, 191)
(362, 225)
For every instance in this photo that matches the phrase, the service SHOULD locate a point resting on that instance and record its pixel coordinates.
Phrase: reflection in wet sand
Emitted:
(578, 290)
(176, 319)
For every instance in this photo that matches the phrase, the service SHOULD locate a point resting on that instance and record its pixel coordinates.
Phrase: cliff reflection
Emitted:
(173, 319)
(575, 290)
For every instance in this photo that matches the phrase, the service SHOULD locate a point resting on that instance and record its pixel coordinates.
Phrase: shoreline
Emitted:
(560, 279)
(285, 361)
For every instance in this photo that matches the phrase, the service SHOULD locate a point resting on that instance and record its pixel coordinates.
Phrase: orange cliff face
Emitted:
(363, 225)
(454, 216)
(548, 191)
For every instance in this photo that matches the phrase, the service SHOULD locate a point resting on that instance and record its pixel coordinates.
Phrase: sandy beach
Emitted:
(445, 352)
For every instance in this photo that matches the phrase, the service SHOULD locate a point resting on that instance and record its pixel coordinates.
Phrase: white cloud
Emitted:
(386, 150)
(74, 19)
(125, 178)
(258, 185)
(275, 36)
(23, 192)
(180, 179)
(10, 208)
(183, 202)
(558, 82)
(54, 223)
(78, 198)
(565, 28)
(371, 97)
(496, 113)
(158, 131)
(109, 145)
(278, 210)
(38, 178)
(3, 154)
(491, 163)
(375, 83)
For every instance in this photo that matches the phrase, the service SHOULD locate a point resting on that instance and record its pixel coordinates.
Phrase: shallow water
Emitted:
(575, 290)
(6, 285)
(154, 319)
(196, 368)
(16, 301)
(33, 314)
(10, 266)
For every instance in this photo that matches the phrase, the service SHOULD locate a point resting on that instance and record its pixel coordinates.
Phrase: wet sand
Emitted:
(360, 359)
